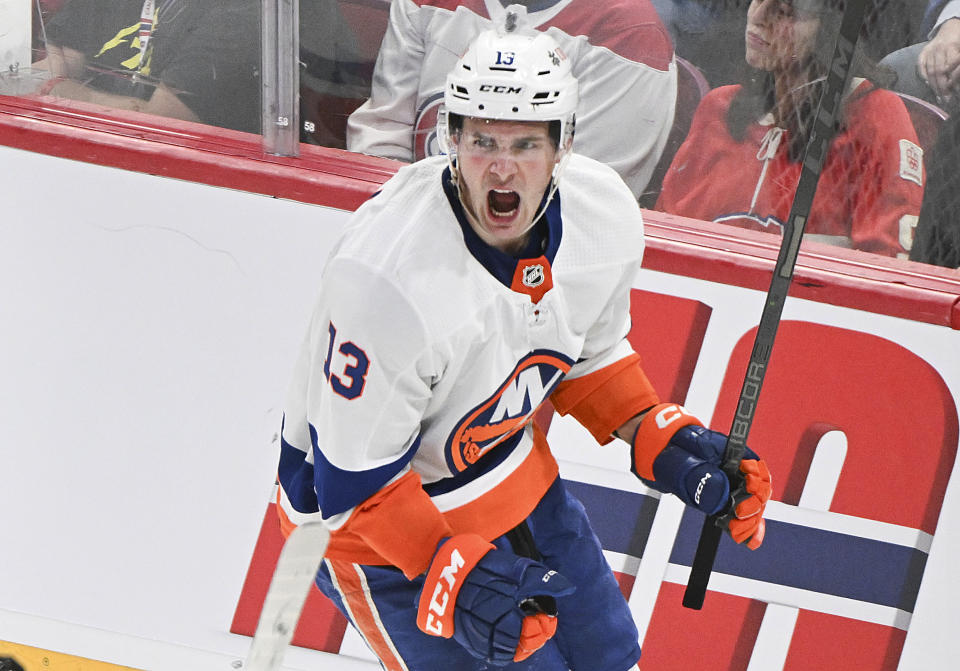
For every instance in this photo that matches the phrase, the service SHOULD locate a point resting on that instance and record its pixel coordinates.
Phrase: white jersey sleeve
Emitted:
(362, 385)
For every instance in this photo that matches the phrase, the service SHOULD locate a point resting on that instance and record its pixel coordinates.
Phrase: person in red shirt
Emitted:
(741, 161)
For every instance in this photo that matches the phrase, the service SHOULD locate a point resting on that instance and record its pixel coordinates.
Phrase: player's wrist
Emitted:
(654, 433)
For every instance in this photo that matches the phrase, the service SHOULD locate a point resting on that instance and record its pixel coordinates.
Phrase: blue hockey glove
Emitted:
(500, 607)
(673, 453)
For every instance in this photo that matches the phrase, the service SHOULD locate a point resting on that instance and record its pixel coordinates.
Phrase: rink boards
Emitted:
(155, 295)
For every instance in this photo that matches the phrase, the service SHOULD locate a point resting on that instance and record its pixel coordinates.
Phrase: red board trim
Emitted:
(343, 180)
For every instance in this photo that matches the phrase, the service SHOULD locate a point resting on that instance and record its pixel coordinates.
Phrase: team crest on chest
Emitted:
(507, 411)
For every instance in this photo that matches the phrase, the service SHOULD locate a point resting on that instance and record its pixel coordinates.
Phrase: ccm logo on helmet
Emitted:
(441, 594)
(501, 88)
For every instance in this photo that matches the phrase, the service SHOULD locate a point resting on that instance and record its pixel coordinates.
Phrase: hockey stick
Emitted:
(296, 569)
(813, 156)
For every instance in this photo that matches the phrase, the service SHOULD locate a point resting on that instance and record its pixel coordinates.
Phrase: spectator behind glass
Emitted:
(930, 69)
(620, 51)
(708, 33)
(938, 233)
(42, 11)
(196, 60)
(740, 163)
(334, 79)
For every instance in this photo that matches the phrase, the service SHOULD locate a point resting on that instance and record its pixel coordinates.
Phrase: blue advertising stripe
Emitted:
(813, 559)
(621, 520)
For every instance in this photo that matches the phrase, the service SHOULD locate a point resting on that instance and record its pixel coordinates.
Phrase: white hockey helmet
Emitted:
(512, 73)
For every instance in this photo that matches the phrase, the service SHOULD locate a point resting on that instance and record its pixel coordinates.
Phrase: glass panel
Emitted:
(748, 77)
(737, 160)
(15, 40)
(758, 68)
(196, 60)
(741, 155)
(339, 43)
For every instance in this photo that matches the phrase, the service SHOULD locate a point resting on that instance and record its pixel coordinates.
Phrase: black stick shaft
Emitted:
(813, 158)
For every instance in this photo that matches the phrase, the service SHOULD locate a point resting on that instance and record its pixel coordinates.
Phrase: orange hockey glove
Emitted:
(673, 453)
(497, 605)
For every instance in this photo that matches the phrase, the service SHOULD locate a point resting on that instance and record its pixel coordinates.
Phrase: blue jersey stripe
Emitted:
(296, 478)
(339, 490)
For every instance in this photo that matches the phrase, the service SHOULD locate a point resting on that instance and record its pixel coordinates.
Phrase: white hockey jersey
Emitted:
(619, 51)
(430, 351)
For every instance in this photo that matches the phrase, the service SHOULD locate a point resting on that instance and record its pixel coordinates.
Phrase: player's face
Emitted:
(505, 167)
(780, 34)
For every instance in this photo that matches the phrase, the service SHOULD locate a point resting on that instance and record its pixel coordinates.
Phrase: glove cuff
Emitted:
(653, 435)
(451, 564)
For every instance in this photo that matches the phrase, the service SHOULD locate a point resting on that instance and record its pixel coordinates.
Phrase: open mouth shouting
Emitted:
(502, 204)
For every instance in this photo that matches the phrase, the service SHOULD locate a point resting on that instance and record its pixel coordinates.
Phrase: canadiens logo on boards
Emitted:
(508, 410)
(425, 130)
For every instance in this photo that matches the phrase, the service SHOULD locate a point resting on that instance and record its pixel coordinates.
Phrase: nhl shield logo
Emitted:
(533, 276)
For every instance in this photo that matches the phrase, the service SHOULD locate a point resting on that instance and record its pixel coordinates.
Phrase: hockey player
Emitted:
(619, 50)
(470, 289)
(740, 163)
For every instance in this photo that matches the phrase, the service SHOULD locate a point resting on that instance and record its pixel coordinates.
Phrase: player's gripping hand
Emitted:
(497, 605)
(673, 453)
(745, 520)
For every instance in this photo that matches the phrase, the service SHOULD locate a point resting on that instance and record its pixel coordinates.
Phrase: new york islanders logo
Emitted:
(507, 411)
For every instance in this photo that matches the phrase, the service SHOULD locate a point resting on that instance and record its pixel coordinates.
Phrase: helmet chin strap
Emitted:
(558, 167)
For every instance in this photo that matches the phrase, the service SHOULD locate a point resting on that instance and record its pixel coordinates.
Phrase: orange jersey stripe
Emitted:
(399, 525)
(286, 524)
(351, 583)
(509, 503)
(490, 515)
(605, 399)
